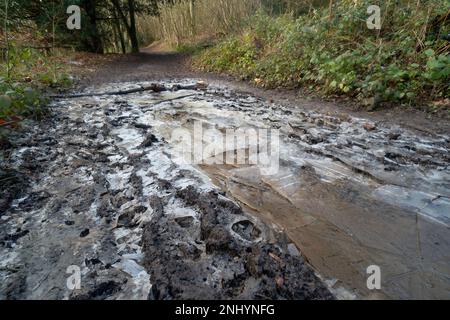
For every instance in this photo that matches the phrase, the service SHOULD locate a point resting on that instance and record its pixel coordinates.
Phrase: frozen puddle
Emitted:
(348, 193)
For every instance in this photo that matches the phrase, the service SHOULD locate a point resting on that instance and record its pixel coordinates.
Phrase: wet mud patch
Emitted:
(213, 262)
(13, 185)
(246, 229)
(106, 191)
(349, 192)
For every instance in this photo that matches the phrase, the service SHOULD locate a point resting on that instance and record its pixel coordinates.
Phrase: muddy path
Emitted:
(101, 186)
(104, 194)
(154, 64)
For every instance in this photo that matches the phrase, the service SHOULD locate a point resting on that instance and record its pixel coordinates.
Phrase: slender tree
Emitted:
(118, 28)
(130, 25)
(94, 41)
(7, 39)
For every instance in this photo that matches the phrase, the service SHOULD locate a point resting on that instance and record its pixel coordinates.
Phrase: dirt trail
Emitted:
(154, 63)
(100, 186)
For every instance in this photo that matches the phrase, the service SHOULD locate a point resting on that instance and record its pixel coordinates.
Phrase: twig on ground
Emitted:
(152, 87)
(172, 99)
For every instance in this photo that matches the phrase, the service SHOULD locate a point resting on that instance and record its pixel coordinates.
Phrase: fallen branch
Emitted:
(173, 99)
(152, 87)
(14, 121)
(4, 124)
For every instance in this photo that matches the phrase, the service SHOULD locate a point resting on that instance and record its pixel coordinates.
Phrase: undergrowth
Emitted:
(25, 75)
(335, 53)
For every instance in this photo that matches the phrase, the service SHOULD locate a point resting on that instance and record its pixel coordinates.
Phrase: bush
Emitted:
(24, 77)
(337, 54)
(19, 100)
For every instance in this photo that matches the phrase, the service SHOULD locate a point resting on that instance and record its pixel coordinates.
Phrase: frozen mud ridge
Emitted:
(98, 187)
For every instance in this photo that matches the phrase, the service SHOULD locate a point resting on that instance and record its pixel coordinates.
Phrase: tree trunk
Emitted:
(133, 35)
(94, 43)
(130, 26)
(7, 40)
(330, 5)
(192, 17)
(119, 32)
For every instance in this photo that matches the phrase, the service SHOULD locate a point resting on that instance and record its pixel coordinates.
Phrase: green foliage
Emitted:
(22, 88)
(295, 7)
(237, 55)
(102, 25)
(18, 100)
(339, 55)
(192, 48)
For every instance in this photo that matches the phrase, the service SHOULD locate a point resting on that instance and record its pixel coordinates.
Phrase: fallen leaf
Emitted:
(275, 257)
(279, 281)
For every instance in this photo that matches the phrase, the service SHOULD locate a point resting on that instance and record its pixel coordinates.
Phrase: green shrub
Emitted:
(24, 77)
(18, 100)
(339, 55)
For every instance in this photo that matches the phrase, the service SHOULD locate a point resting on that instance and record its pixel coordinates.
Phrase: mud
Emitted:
(108, 193)
(217, 261)
(350, 192)
(105, 195)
